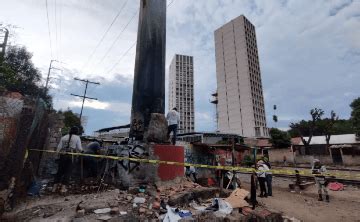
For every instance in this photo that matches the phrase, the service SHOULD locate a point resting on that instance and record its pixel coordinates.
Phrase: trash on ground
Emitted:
(102, 211)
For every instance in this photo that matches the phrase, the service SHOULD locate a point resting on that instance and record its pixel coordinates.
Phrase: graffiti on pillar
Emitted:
(137, 125)
(128, 151)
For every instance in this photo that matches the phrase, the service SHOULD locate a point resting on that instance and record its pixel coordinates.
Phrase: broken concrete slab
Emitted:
(102, 211)
(236, 198)
(185, 197)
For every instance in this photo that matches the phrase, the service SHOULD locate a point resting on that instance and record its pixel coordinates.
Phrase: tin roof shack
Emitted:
(212, 149)
(283, 156)
(118, 133)
(344, 150)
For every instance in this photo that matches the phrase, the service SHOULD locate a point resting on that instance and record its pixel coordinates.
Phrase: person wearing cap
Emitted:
(261, 174)
(319, 171)
(68, 144)
(173, 118)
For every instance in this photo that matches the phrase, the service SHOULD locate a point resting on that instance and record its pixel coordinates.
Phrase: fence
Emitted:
(23, 125)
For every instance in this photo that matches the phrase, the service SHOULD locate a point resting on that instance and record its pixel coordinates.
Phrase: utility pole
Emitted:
(48, 75)
(3, 45)
(84, 96)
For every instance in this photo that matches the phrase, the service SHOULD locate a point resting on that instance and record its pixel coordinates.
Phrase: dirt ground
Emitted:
(344, 205)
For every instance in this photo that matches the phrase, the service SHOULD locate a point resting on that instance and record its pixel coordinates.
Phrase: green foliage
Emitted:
(70, 120)
(355, 115)
(275, 118)
(279, 139)
(341, 126)
(308, 127)
(18, 73)
(248, 161)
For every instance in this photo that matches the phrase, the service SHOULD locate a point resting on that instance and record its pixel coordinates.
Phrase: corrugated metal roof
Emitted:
(334, 139)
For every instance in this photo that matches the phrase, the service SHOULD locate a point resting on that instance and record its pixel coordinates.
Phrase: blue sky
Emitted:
(309, 52)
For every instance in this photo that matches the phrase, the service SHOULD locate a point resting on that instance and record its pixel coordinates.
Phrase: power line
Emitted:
(117, 38)
(104, 35)
(60, 12)
(123, 55)
(47, 15)
(84, 96)
(170, 3)
(56, 32)
(127, 51)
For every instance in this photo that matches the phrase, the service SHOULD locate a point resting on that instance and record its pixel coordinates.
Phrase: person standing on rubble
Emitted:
(261, 174)
(68, 144)
(173, 118)
(319, 171)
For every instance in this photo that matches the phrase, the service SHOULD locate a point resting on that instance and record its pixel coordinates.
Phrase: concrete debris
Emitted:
(123, 212)
(102, 211)
(104, 218)
(129, 197)
(139, 200)
(237, 198)
(290, 219)
(179, 201)
(142, 210)
(80, 213)
(114, 210)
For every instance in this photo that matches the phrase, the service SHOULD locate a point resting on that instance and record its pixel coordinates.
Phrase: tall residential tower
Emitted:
(181, 91)
(239, 89)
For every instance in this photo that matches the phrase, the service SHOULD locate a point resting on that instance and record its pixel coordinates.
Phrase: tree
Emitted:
(279, 139)
(18, 73)
(355, 115)
(343, 126)
(308, 127)
(326, 126)
(70, 120)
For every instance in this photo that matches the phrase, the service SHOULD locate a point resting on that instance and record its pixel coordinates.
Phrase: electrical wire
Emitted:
(56, 33)
(127, 51)
(170, 3)
(60, 38)
(123, 55)
(104, 35)
(117, 38)
(48, 22)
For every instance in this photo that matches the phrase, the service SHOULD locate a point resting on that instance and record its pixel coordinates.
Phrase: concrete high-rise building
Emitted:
(181, 91)
(240, 107)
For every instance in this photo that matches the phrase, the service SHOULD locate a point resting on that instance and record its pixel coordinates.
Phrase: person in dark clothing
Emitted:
(190, 171)
(90, 163)
(253, 190)
(68, 144)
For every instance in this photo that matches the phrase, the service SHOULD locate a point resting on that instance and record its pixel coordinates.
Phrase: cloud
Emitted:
(90, 104)
(309, 52)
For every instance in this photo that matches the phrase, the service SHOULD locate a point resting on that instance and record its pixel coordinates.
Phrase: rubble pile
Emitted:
(179, 200)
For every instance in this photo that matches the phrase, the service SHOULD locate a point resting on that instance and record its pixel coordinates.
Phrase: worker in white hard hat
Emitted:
(319, 171)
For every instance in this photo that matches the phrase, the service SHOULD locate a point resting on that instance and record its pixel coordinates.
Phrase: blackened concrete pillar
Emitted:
(149, 76)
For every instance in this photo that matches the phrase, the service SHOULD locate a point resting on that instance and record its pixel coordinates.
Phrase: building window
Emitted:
(257, 131)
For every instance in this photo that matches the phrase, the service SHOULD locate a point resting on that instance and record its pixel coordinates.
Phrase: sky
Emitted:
(309, 52)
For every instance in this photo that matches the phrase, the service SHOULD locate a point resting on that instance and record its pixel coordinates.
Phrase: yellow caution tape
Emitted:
(230, 168)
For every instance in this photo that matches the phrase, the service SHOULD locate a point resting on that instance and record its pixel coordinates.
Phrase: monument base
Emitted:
(133, 173)
(173, 153)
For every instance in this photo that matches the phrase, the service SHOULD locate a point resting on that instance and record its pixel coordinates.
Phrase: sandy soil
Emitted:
(344, 205)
